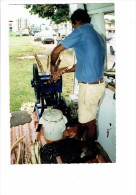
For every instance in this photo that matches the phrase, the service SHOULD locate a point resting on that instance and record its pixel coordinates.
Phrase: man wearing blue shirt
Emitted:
(89, 49)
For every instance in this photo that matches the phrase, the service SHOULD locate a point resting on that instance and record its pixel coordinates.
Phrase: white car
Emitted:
(25, 32)
(112, 45)
(48, 38)
(37, 36)
(17, 34)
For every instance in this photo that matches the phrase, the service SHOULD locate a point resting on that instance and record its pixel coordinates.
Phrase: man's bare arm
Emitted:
(69, 70)
(55, 54)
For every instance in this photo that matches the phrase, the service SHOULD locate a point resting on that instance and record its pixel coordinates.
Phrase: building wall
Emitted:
(109, 27)
(10, 26)
(19, 24)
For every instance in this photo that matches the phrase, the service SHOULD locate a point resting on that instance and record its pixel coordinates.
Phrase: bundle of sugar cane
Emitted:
(13, 157)
(17, 142)
(34, 152)
(17, 149)
(28, 158)
(58, 75)
(39, 64)
(19, 152)
(19, 156)
(37, 148)
(22, 155)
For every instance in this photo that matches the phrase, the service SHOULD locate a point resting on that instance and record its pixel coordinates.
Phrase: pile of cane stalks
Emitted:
(21, 155)
(25, 150)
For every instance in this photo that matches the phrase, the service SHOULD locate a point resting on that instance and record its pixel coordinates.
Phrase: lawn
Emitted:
(21, 71)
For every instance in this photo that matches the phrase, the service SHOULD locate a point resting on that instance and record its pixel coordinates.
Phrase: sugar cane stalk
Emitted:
(39, 64)
(36, 148)
(32, 151)
(48, 63)
(19, 151)
(16, 143)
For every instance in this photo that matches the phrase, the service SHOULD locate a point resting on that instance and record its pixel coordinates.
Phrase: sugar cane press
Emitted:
(47, 93)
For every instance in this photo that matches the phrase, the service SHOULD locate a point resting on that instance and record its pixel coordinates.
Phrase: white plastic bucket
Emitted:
(54, 124)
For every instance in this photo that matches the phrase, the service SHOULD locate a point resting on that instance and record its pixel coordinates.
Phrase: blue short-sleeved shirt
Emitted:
(89, 49)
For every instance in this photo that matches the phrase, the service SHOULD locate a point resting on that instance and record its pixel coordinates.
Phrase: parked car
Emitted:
(17, 33)
(48, 38)
(112, 45)
(35, 29)
(37, 36)
(33, 32)
(25, 32)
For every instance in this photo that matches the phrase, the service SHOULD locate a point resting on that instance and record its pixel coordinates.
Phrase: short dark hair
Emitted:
(80, 15)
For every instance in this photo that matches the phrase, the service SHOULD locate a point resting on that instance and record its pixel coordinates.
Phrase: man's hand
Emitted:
(54, 69)
(57, 74)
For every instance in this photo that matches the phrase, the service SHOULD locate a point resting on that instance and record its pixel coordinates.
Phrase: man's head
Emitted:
(80, 16)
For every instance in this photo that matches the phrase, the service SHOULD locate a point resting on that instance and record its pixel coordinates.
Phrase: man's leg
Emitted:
(88, 102)
(87, 131)
(91, 130)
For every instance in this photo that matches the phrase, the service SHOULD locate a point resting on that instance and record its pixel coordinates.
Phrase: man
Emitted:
(90, 54)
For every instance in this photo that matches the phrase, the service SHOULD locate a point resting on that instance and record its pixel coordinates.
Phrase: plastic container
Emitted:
(54, 124)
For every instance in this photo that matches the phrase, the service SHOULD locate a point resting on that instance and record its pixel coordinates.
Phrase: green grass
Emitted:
(21, 72)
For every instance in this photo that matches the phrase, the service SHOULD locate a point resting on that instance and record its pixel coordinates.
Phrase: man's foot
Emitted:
(100, 159)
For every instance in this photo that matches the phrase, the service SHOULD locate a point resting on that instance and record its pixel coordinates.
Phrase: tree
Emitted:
(56, 12)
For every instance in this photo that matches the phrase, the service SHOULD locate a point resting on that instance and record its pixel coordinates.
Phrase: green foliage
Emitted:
(56, 12)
